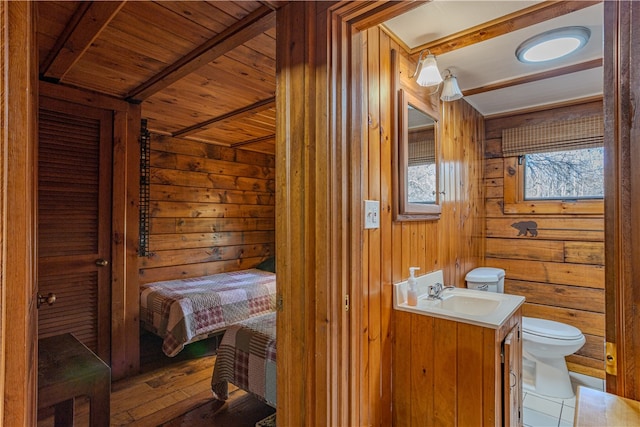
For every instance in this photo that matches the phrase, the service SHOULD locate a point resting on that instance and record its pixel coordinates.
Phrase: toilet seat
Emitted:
(549, 329)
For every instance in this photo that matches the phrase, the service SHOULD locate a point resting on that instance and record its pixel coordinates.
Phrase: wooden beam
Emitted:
(506, 24)
(274, 4)
(86, 24)
(254, 24)
(366, 14)
(261, 105)
(535, 77)
(545, 107)
(252, 141)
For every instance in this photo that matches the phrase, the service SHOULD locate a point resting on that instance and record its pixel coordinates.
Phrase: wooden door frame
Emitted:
(321, 107)
(622, 201)
(18, 316)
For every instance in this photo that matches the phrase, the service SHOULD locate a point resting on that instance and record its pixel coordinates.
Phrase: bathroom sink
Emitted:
(464, 304)
(482, 308)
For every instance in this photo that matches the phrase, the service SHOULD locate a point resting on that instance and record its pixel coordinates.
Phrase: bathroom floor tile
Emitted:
(567, 413)
(569, 402)
(542, 405)
(564, 423)
(533, 418)
(543, 411)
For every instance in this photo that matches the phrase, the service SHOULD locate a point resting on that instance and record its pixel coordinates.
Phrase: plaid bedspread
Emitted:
(186, 310)
(247, 358)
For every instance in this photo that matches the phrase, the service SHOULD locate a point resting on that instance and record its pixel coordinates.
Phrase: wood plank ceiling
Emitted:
(205, 70)
(202, 70)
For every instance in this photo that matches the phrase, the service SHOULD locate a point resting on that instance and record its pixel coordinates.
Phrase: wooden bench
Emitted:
(597, 408)
(68, 369)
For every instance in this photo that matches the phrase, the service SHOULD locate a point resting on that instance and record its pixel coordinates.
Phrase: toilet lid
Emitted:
(549, 328)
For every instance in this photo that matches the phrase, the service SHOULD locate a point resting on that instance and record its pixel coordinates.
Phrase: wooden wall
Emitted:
(561, 270)
(454, 243)
(212, 209)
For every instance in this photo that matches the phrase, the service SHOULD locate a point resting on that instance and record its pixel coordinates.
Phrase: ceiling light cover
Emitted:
(553, 44)
(450, 89)
(427, 70)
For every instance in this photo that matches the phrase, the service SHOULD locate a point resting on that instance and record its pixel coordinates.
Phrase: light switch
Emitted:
(371, 214)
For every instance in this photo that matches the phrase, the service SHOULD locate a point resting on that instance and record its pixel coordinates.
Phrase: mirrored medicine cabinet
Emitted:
(417, 165)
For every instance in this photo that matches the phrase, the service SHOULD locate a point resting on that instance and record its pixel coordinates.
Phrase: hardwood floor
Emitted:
(173, 392)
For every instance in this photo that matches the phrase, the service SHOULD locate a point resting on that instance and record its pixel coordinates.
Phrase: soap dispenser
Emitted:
(412, 292)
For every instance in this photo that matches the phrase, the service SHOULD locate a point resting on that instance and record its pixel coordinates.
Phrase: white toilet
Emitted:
(545, 342)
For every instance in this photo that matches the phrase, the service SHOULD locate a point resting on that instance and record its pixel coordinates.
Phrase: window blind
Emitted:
(573, 134)
(422, 148)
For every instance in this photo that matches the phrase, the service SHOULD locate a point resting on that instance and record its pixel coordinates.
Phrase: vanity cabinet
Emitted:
(449, 373)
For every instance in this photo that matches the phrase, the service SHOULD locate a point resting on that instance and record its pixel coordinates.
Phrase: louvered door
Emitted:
(74, 222)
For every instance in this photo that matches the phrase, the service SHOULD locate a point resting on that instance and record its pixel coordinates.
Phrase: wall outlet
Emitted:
(371, 214)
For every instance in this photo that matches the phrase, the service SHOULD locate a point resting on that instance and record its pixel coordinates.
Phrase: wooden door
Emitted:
(74, 222)
(512, 377)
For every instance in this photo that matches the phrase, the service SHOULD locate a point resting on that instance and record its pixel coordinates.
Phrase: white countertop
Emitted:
(481, 308)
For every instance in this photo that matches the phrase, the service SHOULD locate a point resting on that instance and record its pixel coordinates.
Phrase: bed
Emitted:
(247, 358)
(187, 310)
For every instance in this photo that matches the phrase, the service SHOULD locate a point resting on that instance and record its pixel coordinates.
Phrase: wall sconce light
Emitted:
(427, 70)
(450, 89)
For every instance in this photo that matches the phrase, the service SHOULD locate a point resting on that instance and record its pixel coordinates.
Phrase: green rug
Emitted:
(270, 421)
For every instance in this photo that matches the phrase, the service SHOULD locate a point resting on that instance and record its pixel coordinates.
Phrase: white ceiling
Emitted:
(493, 61)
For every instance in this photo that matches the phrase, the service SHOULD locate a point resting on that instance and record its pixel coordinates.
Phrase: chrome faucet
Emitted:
(435, 291)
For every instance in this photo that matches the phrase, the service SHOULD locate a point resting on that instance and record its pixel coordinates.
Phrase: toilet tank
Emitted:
(486, 279)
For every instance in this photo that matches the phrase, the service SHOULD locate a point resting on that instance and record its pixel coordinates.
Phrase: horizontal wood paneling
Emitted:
(216, 210)
(559, 268)
(575, 297)
(541, 250)
(581, 229)
(584, 252)
(588, 322)
(199, 225)
(188, 178)
(194, 270)
(590, 276)
(199, 255)
(207, 195)
(208, 151)
(212, 209)
(209, 240)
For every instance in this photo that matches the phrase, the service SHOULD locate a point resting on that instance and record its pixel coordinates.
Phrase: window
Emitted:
(561, 175)
(554, 168)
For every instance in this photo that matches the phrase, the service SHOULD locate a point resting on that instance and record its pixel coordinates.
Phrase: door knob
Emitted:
(102, 262)
(49, 299)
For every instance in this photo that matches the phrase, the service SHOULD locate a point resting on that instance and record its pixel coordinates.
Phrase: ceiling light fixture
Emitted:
(450, 89)
(553, 44)
(427, 70)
